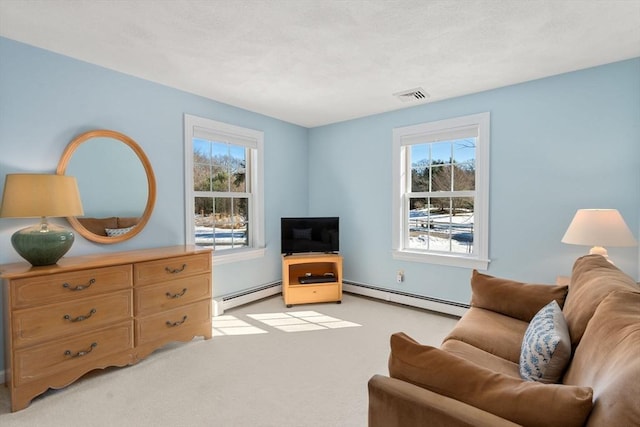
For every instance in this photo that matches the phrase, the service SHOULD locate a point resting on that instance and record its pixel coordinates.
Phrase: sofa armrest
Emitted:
(506, 396)
(396, 403)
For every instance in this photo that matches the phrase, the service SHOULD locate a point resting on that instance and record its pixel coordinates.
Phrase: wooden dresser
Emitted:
(94, 311)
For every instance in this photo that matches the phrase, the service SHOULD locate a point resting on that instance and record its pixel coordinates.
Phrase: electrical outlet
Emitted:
(399, 276)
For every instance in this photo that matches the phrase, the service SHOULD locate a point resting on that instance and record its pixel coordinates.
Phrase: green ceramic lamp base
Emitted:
(42, 244)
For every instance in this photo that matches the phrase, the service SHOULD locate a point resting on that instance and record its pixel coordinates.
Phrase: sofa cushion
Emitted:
(515, 299)
(608, 360)
(524, 402)
(492, 332)
(592, 279)
(546, 347)
(481, 357)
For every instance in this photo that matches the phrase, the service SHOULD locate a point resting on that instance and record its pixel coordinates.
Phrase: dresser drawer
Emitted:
(172, 322)
(81, 352)
(69, 286)
(150, 272)
(35, 325)
(172, 294)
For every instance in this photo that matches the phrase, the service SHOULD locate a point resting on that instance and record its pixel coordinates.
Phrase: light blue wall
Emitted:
(47, 99)
(557, 144)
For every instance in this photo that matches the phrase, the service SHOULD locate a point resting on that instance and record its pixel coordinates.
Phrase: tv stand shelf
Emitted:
(324, 278)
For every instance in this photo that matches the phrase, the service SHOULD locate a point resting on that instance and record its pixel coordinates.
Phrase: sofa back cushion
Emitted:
(608, 360)
(128, 221)
(494, 333)
(99, 225)
(592, 279)
(515, 299)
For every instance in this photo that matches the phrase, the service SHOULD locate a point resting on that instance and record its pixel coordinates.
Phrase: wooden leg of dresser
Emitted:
(21, 399)
(18, 406)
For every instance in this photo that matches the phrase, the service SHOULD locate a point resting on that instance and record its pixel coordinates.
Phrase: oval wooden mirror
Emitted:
(116, 182)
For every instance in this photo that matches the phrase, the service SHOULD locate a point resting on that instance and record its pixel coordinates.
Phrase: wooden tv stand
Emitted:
(322, 271)
(93, 311)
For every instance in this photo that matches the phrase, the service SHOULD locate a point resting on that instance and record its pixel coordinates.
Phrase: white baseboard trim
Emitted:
(427, 303)
(225, 302)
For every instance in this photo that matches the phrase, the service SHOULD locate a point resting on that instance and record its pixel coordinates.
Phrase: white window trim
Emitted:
(480, 260)
(257, 187)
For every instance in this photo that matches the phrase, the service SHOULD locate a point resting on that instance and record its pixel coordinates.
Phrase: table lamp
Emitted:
(41, 196)
(599, 228)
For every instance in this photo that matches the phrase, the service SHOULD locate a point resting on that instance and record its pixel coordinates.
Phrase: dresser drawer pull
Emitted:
(175, 270)
(79, 287)
(174, 296)
(81, 353)
(79, 318)
(178, 323)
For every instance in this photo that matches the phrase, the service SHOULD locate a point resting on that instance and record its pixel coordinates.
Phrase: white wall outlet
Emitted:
(399, 276)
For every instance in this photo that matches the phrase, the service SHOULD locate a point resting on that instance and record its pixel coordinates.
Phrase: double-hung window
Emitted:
(441, 192)
(223, 166)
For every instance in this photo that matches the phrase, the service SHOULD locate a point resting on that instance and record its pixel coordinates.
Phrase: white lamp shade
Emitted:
(599, 227)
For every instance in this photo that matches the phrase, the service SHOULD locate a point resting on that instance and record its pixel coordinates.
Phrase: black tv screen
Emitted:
(320, 234)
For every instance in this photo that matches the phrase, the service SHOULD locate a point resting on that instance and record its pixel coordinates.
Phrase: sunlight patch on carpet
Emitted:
(297, 321)
(231, 325)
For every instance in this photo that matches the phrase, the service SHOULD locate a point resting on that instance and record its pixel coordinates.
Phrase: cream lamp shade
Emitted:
(599, 228)
(41, 196)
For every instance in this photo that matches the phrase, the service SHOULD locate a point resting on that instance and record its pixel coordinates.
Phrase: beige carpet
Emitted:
(303, 366)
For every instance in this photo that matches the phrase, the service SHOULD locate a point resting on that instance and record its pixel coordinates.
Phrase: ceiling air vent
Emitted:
(417, 94)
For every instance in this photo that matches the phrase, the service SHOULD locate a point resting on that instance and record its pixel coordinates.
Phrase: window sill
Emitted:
(228, 257)
(450, 260)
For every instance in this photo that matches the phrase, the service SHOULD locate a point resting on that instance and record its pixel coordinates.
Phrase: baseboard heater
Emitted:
(225, 302)
(428, 303)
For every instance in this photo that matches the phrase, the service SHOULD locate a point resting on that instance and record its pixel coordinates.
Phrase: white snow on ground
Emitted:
(440, 238)
(224, 239)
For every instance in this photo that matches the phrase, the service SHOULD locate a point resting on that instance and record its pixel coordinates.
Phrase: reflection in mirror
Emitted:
(116, 184)
(122, 189)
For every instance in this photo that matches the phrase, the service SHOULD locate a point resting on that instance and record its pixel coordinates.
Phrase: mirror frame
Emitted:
(151, 183)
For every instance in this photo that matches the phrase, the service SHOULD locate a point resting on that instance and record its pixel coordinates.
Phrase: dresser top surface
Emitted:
(24, 269)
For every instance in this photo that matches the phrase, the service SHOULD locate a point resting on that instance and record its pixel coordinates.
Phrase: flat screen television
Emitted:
(319, 234)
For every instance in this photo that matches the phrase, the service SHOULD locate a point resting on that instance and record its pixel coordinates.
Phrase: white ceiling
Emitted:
(315, 62)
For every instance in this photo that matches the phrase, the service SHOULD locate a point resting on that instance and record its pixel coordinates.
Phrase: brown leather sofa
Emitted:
(474, 379)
